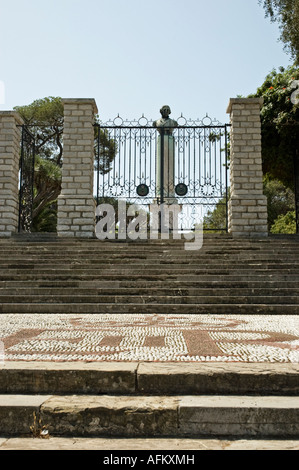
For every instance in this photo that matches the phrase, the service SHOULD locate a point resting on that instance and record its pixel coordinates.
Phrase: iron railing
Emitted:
(193, 173)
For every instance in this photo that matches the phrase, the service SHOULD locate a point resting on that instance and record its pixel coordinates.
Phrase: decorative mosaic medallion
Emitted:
(160, 338)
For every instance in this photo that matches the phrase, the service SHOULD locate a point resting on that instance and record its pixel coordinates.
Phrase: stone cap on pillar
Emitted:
(81, 101)
(233, 101)
(12, 114)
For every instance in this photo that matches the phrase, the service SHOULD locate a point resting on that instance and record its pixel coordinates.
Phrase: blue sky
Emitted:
(133, 56)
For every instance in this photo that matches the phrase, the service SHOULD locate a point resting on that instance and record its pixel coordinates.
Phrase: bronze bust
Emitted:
(165, 122)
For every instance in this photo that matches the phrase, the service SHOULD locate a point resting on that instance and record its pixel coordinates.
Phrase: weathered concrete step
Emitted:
(9, 293)
(208, 237)
(144, 283)
(148, 378)
(135, 252)
(153, 270)
(144, 276)
(85, 246)
(127, 416)
(134, 248)
(93, 261)
(147, 446)
(119, 251)
(148, 269)
(221, 308)
(190, 265)
(216, 298)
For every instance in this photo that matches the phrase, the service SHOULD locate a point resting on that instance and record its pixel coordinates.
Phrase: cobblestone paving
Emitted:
(149, 337)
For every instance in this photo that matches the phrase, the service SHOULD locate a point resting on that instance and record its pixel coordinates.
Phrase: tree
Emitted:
(280, 124)
(285, 223)
(280, 209)
(216, 219)
(47, 184)
(280, 201)
(45, 118)
(286, 13)
(46, 219)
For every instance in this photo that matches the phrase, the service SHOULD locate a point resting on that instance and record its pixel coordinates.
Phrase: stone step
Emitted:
(119, 249)
(174, 308)
(63, 378)
(141, 268)
(9, 293)
(148, 283)
(234, 246)
(136, 251)
(76, 400)
(50, 263)
(149, 266)
(143, 276)
(104, 250)
(150, 416)
(148, 399)
(215, 298)
(149, 450)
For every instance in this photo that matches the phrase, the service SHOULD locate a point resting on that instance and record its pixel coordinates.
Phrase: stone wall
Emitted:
(10, 137)
(76, 204)
(248, 205)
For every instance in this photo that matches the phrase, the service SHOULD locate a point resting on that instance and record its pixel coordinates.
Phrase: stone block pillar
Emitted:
(247, 214)
(10, 137)
(76, 204)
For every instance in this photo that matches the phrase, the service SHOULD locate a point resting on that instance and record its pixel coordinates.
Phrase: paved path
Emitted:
(149, 337)
(56, 443)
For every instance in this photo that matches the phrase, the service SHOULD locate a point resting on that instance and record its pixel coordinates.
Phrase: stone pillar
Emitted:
(76, 204)
(247, 214)
(10, 137)
(168, 155)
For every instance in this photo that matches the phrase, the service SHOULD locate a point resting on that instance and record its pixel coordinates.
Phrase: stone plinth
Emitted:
(247, 215)
(167, 152)
(10, 136)
(76, 204)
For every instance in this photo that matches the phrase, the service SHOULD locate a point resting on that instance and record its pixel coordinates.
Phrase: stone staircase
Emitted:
(149, 399)
(54, 275)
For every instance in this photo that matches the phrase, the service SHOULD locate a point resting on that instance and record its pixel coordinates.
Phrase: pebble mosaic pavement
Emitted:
(149, 337)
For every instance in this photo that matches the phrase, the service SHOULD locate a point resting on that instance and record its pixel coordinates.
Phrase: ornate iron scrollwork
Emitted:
(193, 170)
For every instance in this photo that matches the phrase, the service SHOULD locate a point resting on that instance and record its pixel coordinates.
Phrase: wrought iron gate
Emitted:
(26, 180)
(191, 170)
